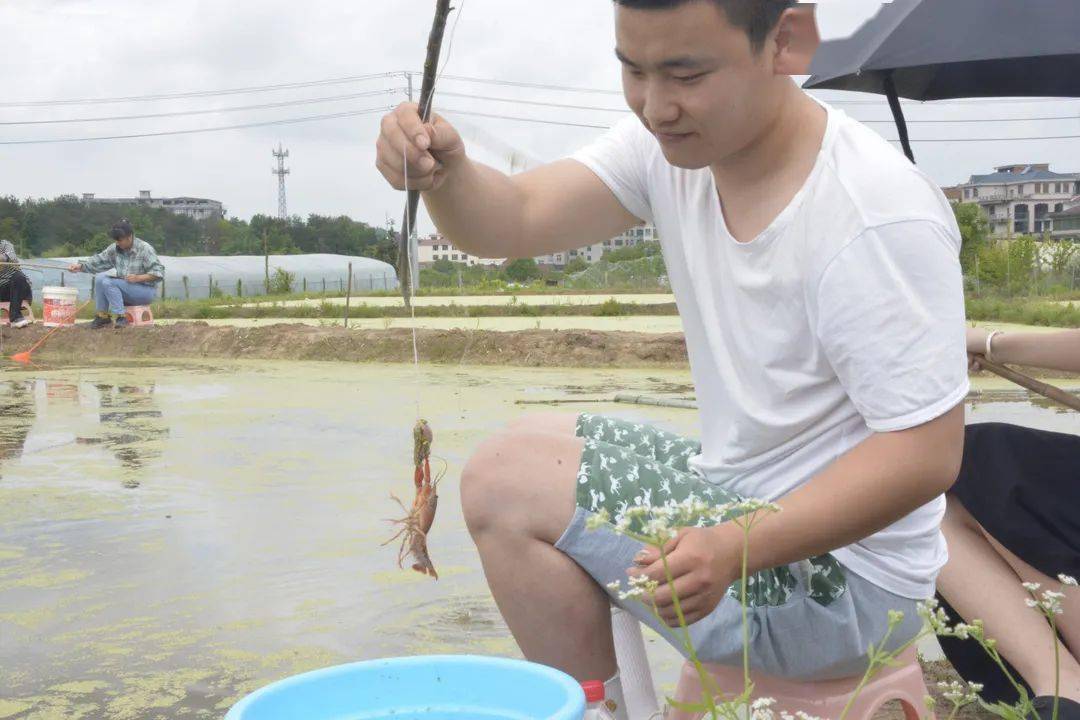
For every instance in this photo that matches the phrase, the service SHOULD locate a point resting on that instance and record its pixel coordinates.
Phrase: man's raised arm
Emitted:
(487, 213)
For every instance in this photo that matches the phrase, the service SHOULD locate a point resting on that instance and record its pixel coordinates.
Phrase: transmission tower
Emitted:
(281, 171)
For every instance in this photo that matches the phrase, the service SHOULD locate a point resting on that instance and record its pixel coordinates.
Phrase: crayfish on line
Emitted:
(418, 520)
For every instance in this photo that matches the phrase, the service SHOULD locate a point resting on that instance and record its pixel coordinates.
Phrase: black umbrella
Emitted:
(941, 49)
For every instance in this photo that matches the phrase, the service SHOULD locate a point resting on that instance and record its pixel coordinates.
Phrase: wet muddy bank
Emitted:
(528, 348)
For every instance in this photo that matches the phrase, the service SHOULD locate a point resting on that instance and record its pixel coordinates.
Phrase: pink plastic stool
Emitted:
(5, 313)
(139, 315)
(825, 699)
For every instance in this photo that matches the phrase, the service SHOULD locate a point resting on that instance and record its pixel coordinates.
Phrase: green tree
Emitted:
(522, 270)
(974, 231)
(281, 282)
(576, 265)
(67, 225)
(1060, 255)
(9, 230)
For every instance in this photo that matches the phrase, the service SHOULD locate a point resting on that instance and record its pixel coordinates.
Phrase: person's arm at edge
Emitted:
(1053, 351)
(104, 260)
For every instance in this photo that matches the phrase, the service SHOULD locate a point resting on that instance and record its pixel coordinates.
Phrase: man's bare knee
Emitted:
(482, 490)
(521, 482)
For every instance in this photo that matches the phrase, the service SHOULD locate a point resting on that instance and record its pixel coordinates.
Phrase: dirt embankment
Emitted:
(290, 341)
(566, 348)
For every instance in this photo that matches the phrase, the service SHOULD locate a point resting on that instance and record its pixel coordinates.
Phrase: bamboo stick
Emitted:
(1036, 386)
(405, 258)
(633, 399)
(34, 265)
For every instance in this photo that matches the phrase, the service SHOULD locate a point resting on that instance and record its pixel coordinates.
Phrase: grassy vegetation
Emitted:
(211, 310)
(1024, 312)
(1039, 311)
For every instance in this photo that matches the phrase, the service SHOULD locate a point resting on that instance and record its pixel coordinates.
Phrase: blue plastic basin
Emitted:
(425, 687)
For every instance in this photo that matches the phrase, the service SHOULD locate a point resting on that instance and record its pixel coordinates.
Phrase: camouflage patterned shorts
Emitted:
(810, 620)
(626, 464)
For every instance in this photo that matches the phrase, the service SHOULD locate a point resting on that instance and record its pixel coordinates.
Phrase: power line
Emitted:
(978, 120)
(607, 127)
(286, 121)
(459, 78)
(535, 86)
(485, 98)
(211, 111)
(880, 101)
(569, 106)
(355, 113)
(205, 93)
(992, 139)
(525, 119)
(535, 103)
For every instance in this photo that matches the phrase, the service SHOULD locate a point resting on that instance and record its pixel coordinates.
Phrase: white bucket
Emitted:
(59, 305)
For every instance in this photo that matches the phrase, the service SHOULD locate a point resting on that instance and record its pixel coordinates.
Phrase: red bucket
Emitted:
(60, 305)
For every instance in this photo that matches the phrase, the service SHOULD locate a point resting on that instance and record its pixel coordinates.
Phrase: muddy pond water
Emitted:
(175, 535)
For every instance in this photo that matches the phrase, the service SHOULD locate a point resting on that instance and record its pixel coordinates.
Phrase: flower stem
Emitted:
(703, 676)
(875, 657)
(747, 685)
(1057, 666)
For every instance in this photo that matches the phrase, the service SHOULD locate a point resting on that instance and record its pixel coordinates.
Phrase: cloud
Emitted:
(108, 48)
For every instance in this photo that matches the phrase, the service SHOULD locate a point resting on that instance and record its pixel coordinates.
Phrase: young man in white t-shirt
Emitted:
(817, 275)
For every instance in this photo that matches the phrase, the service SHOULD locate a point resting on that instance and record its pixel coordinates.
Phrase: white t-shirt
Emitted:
(843, 318)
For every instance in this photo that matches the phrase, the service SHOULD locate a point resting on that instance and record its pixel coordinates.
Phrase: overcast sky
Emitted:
(77, 49)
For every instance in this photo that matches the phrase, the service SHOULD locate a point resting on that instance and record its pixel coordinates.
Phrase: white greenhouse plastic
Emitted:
(237, 273)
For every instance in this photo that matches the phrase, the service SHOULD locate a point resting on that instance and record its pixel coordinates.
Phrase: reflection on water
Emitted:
(129, 424)
(132, 428)
(251, 549)
(17, 413)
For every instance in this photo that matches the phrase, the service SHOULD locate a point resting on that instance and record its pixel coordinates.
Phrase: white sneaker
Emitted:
(22, 322)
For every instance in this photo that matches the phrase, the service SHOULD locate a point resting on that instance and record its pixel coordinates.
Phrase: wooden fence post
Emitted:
(187, 289)
(348, 297)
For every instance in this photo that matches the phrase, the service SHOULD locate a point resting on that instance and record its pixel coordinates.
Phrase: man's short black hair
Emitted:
(121, 229)
(757, 17)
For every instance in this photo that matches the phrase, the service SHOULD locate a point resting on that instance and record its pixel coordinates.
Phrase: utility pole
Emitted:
(281, 171)
(266, 257)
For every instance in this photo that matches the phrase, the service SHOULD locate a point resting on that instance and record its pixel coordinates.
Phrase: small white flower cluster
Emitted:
(1067, 580)
(761, 709)
(660, 524)
(959, 693)
(938, 620)
(598, 519)
(640, 588)
(1050, 602)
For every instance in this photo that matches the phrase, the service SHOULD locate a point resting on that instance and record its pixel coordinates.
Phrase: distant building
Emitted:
(634, 236)
(436, 247)
(195, 208)
(555, 261)
(954, 194)
(1020, 199)
(1066, 223)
